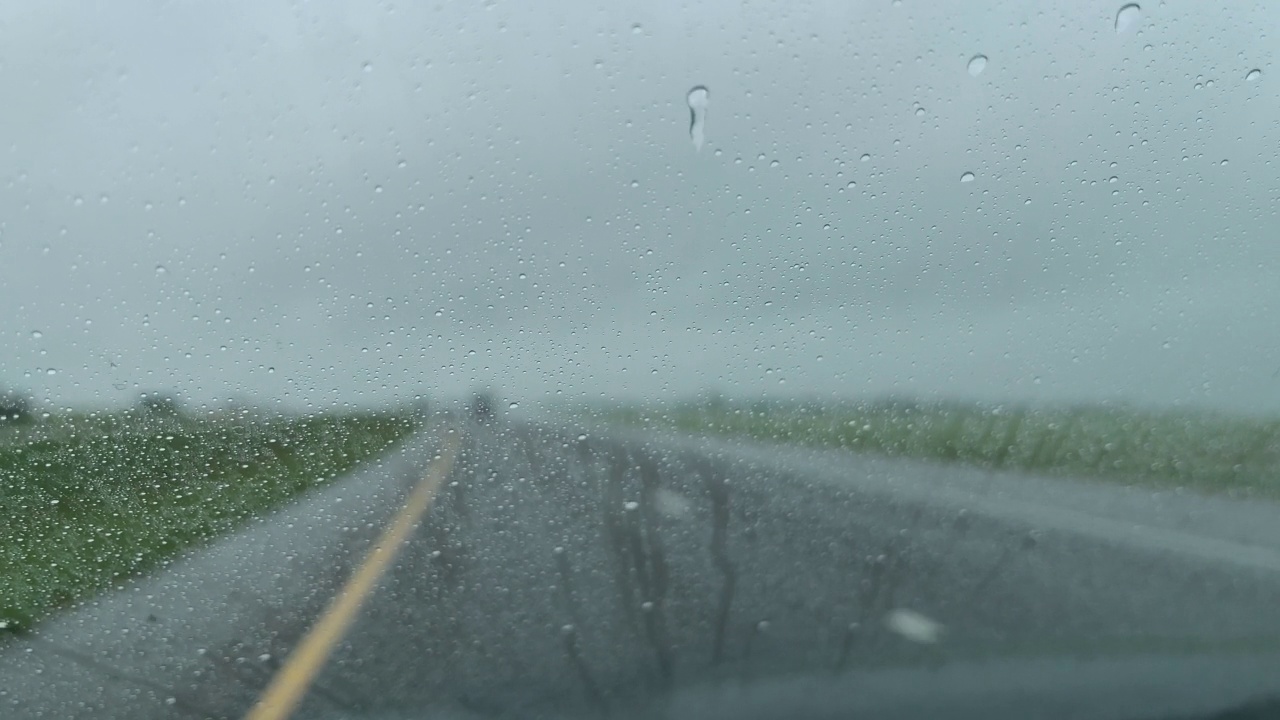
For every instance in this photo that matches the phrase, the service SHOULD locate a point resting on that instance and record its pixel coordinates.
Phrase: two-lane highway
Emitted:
(569, 573)
(563, 572)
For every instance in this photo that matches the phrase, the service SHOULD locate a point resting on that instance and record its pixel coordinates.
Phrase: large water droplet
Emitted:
(1254, 75)
(966, 177)
(699, 97)
(1127, 17)
(977, 64)
(914, 626)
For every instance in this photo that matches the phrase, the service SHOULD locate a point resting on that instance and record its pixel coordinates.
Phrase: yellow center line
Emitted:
(289, 685)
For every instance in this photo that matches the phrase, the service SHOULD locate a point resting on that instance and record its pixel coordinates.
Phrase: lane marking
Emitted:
(290, 684)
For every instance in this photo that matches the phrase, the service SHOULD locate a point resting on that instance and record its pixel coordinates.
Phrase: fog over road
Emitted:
(565, 573)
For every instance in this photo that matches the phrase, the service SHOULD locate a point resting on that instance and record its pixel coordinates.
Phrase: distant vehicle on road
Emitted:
(482, 405)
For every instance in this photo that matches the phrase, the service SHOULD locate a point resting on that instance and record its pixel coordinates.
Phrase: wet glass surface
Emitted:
(737, 360)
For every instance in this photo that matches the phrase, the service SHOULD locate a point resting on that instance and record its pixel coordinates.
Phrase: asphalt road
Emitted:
(567, 572)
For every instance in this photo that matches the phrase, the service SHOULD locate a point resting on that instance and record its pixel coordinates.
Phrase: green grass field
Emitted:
(1198, 450)
(89, 501)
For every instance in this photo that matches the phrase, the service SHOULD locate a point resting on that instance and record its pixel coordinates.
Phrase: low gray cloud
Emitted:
(336, 203)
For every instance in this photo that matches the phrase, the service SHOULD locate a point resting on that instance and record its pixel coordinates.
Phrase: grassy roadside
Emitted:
(1197, 450)
(89, 502)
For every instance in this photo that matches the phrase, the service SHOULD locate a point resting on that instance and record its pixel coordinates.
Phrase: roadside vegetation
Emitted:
(1197, 450)
(88, 501)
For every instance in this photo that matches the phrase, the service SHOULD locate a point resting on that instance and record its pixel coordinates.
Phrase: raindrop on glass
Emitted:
(1254, 75)
(977, 64)
(1128, 16)
(699, 97)
(966, 177)
(37, 334)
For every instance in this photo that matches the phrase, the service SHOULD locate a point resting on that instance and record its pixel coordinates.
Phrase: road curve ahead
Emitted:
(570, 573)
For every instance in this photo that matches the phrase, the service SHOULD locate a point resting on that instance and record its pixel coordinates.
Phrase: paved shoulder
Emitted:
(204, 635)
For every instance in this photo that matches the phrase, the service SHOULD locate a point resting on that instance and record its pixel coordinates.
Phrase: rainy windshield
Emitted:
(557, 360)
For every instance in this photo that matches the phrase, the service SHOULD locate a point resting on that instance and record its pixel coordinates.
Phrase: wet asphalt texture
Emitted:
(565, 573)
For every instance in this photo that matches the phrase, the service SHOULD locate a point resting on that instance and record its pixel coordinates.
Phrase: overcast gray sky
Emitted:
(328, 202)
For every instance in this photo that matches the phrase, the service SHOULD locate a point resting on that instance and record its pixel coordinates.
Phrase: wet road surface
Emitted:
(567, 573)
